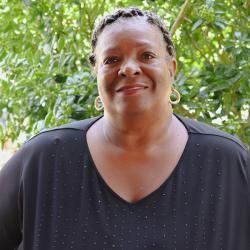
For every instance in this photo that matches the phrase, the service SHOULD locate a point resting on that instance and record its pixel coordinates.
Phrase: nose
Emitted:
(129, 68)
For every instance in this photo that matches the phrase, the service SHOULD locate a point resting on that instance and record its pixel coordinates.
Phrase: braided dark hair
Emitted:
(126, 13)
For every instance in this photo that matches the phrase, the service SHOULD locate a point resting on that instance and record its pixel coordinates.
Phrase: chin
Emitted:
(133, 109)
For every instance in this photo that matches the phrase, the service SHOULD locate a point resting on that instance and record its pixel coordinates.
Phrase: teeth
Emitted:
(127, 88)
(135, 88)
(132, 88)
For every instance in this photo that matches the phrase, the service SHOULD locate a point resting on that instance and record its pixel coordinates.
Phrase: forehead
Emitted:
(134, 31)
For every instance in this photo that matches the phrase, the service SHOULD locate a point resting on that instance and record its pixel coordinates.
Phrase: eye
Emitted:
(111, 60)
(147, 56)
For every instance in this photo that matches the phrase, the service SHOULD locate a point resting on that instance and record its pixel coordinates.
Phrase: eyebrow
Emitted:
(115, 48)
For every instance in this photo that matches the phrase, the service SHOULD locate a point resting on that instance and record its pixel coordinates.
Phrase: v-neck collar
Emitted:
(155, 191)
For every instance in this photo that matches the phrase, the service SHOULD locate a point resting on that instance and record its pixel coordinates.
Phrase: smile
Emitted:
(131, 89)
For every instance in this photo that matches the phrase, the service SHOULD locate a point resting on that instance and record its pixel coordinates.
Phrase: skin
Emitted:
(134, 54)
(137, 133)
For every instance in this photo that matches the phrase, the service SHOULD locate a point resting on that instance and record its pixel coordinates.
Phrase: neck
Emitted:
(141, 131)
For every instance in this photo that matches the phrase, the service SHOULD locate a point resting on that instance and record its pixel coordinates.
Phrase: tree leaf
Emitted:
(197, 24)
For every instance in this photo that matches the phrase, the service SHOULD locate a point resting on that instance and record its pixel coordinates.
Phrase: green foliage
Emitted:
(46, 80)
(214, 65)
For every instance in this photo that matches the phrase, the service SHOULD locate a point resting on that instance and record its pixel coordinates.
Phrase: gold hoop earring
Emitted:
(177, 95)
(98, 104)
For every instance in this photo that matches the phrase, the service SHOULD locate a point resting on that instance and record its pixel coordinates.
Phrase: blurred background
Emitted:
(46, 79)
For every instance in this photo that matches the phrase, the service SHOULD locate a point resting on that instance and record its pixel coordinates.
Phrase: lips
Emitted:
(134, 87)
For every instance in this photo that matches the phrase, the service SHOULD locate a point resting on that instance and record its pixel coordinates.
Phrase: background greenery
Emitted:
(46, 80)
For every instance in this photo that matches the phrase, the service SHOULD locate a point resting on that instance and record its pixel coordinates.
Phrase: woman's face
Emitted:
(134, 69)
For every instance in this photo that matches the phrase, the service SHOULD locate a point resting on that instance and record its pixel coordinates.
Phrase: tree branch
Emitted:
(180, 17)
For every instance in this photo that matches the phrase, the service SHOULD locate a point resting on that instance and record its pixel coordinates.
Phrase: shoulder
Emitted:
(64, 134)
(211, 135)
(45, 151)
(219, 148)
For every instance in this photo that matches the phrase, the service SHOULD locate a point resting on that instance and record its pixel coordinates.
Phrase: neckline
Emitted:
(148, 196)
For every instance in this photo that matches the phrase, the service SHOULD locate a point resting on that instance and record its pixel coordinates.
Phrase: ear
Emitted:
(172, 67)
(95, 69)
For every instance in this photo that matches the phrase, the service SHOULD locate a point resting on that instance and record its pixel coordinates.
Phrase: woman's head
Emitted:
(118, 14)
(134, 62)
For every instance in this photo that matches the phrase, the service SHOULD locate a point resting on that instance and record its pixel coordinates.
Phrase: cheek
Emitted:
(160, 75)
(105, 80)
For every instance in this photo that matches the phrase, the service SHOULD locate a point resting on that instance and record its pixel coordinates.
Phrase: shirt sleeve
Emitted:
(10, 203)
(247, 165)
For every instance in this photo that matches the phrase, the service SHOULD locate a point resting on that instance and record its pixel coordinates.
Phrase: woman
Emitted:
(138, 177)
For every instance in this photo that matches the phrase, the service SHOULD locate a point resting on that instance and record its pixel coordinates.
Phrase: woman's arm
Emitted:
(10, 203)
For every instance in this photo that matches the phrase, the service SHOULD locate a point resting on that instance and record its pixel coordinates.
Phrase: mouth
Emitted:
(131, 89)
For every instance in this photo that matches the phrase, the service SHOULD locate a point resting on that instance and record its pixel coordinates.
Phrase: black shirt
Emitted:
(52, 197)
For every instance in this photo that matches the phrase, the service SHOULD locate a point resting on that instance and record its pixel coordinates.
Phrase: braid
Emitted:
(126, 13)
